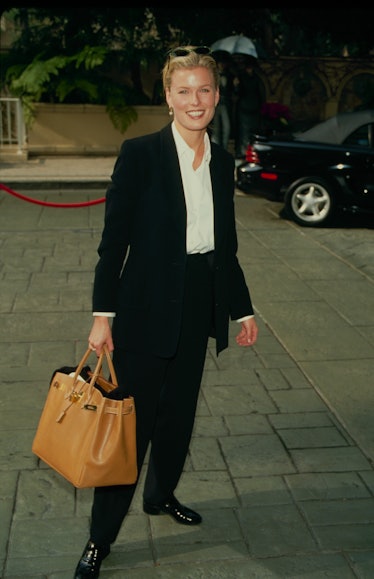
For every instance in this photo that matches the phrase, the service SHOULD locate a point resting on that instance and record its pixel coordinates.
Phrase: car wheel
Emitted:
(310, 202)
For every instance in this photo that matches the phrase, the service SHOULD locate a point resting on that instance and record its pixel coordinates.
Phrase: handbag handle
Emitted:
(104, 352)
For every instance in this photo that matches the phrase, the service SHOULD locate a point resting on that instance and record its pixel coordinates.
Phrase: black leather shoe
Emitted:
(90, 562)
(172, 507)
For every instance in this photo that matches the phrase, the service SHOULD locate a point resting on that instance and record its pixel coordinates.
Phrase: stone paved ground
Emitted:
(281, 462)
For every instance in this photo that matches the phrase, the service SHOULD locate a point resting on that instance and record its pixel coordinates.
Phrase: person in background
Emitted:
(158, 93)
(167, 278)
(248, 101)
(221, 126)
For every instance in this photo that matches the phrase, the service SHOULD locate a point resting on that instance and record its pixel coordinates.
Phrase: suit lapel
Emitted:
(172, 182)
(217, 176)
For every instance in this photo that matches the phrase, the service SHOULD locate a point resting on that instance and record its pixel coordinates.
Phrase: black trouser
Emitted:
(166, 393)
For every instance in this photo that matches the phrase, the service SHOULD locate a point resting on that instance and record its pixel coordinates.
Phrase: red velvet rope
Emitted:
(49, 203)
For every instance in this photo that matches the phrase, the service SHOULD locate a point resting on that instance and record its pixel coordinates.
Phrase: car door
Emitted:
(360, 158)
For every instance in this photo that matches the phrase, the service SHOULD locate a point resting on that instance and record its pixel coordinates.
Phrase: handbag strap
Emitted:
(97, 371)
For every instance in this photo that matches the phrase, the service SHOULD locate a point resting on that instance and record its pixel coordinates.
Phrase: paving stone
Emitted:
(262, 490)
(273, 378)
(236, 400)
(347, 537)
(273, 530)
(297, 400)
(346, 511)
(330, 459)
(305, 419)
(254, 455)
(327, 486)
(312, 437)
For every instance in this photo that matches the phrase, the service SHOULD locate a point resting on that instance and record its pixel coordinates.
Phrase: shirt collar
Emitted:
(183, 148)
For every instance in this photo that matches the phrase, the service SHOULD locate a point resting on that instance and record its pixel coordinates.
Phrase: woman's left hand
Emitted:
(248, 334)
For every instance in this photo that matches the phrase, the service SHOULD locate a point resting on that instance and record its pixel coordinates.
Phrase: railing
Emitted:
(12, 127)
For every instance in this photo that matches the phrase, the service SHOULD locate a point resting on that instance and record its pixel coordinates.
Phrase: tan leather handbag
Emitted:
(86, 437)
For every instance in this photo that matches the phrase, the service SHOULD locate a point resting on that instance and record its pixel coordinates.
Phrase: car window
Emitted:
(359, 137)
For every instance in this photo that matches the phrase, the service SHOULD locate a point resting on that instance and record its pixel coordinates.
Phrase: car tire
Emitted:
(310, 202)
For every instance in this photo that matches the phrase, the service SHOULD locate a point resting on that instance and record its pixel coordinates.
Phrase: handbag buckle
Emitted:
(75, 396)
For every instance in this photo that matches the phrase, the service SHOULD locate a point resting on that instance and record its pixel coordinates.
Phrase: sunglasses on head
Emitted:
(184, 51)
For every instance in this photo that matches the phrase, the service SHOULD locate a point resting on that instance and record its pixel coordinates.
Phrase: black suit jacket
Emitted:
(142, 253)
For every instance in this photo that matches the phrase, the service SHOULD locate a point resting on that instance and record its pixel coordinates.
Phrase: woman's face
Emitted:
(193, 97)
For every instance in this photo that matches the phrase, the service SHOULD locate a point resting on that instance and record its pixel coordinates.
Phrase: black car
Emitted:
(318, 173)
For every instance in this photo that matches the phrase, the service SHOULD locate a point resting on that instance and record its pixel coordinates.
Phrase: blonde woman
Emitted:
(167, 278)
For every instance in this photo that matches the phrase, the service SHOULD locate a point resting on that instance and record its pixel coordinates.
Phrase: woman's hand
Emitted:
(101, 333)
(248, 334)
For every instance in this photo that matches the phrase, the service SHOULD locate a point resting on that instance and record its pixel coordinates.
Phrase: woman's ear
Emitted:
(167, 97)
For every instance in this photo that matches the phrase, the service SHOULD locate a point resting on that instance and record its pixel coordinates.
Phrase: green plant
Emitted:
(82, 77)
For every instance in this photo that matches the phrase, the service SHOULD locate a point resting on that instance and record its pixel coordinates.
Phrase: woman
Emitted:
(168, 278)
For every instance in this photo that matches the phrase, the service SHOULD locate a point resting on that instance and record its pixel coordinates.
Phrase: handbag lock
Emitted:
(75, 396)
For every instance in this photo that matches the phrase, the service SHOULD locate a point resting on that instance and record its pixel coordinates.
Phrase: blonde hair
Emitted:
(190, 60)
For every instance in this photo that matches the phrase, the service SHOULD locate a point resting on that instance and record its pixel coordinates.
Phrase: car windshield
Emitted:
(359, 137)
(338, 128)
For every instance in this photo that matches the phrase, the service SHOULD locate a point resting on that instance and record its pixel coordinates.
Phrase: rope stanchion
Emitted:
(50, 203)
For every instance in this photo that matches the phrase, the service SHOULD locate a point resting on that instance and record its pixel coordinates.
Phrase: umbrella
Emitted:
(236, 44)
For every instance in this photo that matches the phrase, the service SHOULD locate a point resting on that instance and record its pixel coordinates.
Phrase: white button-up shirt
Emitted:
(198, 194)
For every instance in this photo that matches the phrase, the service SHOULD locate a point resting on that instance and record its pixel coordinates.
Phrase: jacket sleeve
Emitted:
(232, 286)
(118, 219)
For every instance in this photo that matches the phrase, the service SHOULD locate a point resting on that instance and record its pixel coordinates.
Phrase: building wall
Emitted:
(86, 129)
(315, 89)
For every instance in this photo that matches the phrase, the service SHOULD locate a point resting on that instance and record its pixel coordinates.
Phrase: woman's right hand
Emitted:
(101, 333)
